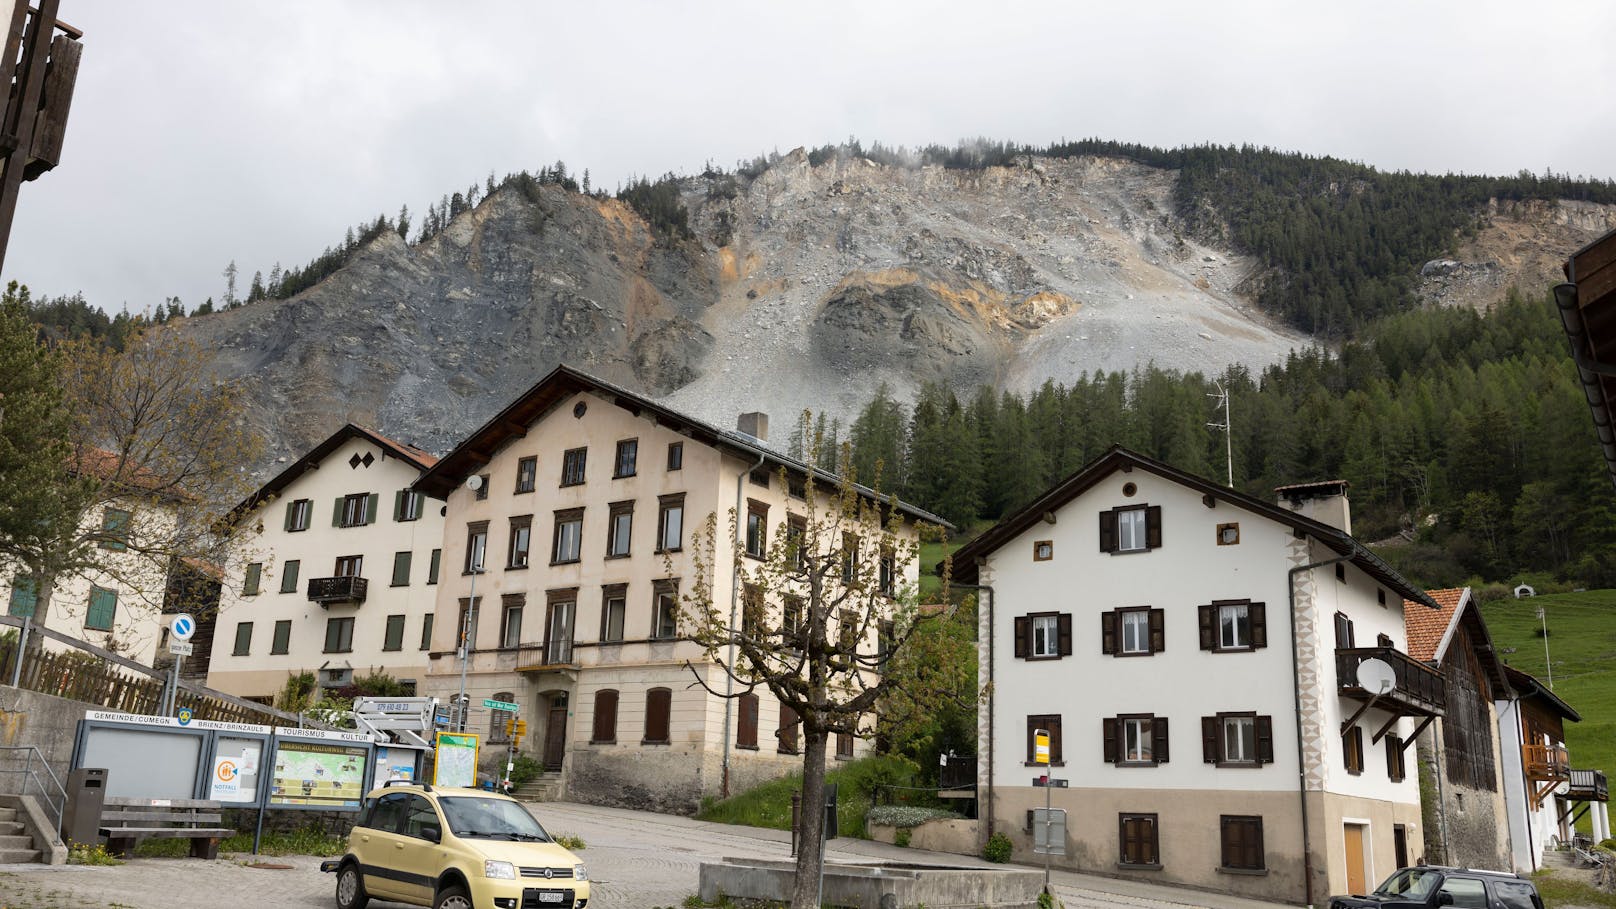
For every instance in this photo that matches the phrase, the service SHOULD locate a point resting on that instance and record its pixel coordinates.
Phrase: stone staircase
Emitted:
(15, 844)
(546, 787)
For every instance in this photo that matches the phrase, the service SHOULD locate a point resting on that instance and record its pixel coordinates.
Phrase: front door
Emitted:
(1400, 844)
(1355, 859)
(555, 738)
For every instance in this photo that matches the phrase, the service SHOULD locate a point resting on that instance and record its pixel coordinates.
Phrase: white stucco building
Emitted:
(332, 571)
(1544, 793)
(1193, 652)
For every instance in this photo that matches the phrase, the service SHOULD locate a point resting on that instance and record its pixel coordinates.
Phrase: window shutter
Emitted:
(1053, 724)
(336, 513)
(1158, 738)
(658, 704)
(1265, 740)
(1258, 614)
(1110, 733)
(1108, 531)
(398, 505)
(1208, 616)
(1232, 841)
(1153, 527)
(1209, 740)
(1030, 816)
(290, 510)
(1063, 633)
(605, 716)
(370, 508)
(1158, 631)
(1108, 632)
(1023, 634)
(1394, 758)
(746, 729)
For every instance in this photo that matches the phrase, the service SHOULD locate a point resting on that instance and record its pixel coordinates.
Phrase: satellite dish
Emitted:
(474, 482)
(1376, 676)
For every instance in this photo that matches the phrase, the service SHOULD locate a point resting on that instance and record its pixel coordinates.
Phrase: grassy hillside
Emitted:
(1582, 644)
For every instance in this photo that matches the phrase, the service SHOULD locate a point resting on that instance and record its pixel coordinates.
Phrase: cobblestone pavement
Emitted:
(638, 860)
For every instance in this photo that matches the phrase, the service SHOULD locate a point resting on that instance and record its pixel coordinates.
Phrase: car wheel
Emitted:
(351, 888)
(452, 898)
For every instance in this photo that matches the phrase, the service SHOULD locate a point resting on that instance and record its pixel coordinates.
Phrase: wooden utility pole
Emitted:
(41, 67)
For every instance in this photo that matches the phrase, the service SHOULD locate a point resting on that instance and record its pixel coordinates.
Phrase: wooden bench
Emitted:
(126, 821)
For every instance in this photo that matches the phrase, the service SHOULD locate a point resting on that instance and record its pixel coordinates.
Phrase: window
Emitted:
(1341, 572)
(338, 634)
(751, 610)
(466, 624)
(619, 529)
(1229, 534)
(569, 532)
(289, 575)
(791, 609)
(355, 510)
(407, 505)
(499, 721)
(114, 529)
(759, 477)
(614, 606)
(521, 541)
(103, 609)
(244, 639)
(1394, 759)
(1242, 842)
(349, 566)
(1133, 631)
(281, 642)
(1464, 893)
(255, 576)
(572, 466)
(480, 494)
(1343, 632)
(847, 627)
(433, 566)
(298, 513)
(628, 451)
(850, 547)
(1043, 636)
(747, 722)
(888, 578)
(527, 472)
(1043, 550)
(787, 733)
(426, 632)
(797, 541)
(393, 638)
(1130, 528)
(401, 568)
(558, 627)
(24, 596)
(676, 455)
(1138, 739)
(510, 621)
(1514, 895)
(604, 731)
(658, 704)
(757, 528)
(1051, 723)
(476, 546)
(1233, 626)
(1237, 739)
(665, 617)
(1138, 840)
(844, 746)
(670, 522)
(1352, 750)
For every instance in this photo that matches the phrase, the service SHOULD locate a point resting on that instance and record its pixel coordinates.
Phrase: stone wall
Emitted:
(41, 720)
(668, 780)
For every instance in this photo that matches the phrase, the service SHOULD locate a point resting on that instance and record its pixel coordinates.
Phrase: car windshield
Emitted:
(1413, 882)
(500, 819)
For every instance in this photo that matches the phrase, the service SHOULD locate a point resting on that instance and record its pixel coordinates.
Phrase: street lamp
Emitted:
(475, 558)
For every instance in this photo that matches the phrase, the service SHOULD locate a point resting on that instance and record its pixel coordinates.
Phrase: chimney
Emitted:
(754, 424)
(1325, 502)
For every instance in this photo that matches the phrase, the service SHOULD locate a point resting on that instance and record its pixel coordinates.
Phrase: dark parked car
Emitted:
(1434, 885)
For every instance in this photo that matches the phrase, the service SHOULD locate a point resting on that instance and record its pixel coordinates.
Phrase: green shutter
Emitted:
(103, 608)
(426, 633)
(289, 576)
(432, 569)
(255, 576)
(283, 637)
(401, 570)
(243, 639)
(370, 508)
(398, 504)
(291, 512)
(336, 513)
(395, 633)
(24, 596)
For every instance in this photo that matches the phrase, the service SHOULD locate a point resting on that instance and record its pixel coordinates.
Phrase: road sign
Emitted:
(180, 648)
(181, 627)
(492, 704)
(1041, 781)
(1040, 746)
(1049, 831)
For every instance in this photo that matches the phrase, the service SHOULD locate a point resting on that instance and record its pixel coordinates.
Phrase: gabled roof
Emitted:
(1432, 632)
(1119, 458)
(561, 384)
(418, 458)
(1587, 304)
(1528, 686)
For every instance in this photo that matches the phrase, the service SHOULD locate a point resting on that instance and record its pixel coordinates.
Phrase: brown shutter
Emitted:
(658, 704)
(1265, 740)
(1053, 724)
(1032, 738)
(1158, 738)
(1108, 531)
(1023, 635)
(1394, 758)
(1110, 747)
(1209, 740)
(1153, 527)
(1158, 631)
(746, 729)
(788, 730)
(1258, 614)
(1108, 632)
(1063, 633)
(1207, 615)
(1231, 843)
(605, 716)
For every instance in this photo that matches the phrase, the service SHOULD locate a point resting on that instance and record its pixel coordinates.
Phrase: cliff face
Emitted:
(804, 288)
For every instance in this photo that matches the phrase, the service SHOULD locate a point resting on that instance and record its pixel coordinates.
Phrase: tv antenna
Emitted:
(1226, 426)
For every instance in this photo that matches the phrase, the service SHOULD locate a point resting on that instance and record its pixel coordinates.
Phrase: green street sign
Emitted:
(492, 704)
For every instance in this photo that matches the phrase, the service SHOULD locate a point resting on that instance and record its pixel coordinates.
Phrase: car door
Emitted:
(376, 844)
(418, 856)
(1465, 893)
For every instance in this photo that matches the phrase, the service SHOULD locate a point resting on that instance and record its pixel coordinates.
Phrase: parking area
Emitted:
(637, 859)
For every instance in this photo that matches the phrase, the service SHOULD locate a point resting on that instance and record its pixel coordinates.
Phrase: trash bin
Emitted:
(86, 794)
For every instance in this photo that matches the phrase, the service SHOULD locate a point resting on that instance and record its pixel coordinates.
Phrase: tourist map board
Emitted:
(319, 774)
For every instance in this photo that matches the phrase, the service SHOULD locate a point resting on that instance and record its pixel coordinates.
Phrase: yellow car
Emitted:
(454, 849)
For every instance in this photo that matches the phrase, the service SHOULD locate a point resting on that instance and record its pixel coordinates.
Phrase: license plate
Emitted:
(550, 897)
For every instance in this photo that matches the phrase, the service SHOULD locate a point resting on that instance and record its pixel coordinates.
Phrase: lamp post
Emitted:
(475, 558)
(1547, 664)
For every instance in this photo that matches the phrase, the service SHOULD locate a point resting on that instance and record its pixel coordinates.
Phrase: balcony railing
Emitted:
(538, 657)
(326, 591)
(1588, 786)
(1418, 690)
(1546, 762)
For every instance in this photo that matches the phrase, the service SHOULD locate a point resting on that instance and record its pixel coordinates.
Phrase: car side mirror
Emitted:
(432, 833)
(1444, 898)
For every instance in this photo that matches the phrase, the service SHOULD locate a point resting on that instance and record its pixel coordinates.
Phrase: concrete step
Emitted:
(16, 841)
(7, 815)
(19, 856)
(10, 828)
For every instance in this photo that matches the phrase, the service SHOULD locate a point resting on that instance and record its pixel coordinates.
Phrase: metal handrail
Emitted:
(28, 770)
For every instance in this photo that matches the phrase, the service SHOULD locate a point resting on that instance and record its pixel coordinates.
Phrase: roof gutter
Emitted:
(1296, 688)
(1589, 370)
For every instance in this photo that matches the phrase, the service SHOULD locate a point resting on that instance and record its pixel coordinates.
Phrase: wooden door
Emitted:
(555, 738)
(1355, 859)
(1400, 844)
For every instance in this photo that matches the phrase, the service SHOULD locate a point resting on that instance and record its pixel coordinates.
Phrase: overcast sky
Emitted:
(205, 132)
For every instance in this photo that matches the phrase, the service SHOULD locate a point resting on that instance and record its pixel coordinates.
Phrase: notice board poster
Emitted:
(456, 763)
(318, 774)
(235, 770)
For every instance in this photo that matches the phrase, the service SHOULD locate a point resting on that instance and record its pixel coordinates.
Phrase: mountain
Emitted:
(806, 282)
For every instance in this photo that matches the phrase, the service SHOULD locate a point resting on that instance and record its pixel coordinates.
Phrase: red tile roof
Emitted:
(1428, 627)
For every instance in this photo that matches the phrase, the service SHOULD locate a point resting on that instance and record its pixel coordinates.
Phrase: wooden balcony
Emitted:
(550, 656)
(1588, 786)
(1546, 763)
(1418, 690)
(326, 591)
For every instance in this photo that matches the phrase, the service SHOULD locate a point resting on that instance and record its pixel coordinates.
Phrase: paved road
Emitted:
(638, 860)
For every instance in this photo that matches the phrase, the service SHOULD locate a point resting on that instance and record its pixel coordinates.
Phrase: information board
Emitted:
(235, 770)
(318, 774)
(456, 763)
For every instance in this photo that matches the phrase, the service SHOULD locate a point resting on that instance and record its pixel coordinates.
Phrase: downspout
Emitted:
(1442, 798)
(1296, 687)
(992, 695)
(734, 600)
